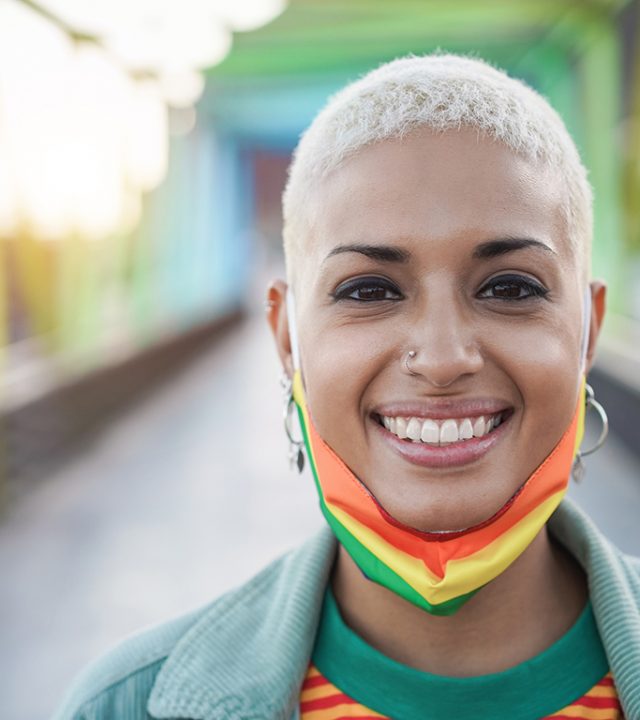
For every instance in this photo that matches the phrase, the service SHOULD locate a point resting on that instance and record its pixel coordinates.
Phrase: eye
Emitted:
(367, 290)
(512, 287)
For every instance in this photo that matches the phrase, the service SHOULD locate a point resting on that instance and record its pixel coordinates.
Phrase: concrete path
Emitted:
(186, 497)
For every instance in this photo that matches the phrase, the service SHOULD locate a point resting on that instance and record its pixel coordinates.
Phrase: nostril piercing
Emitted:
(410, 355)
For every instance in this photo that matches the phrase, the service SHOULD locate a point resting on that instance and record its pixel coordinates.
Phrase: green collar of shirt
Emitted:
(536, 688)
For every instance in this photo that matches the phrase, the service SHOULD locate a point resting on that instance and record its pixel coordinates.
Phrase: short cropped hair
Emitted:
(440, 92)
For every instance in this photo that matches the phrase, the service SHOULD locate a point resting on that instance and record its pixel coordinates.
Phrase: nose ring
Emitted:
(410, 355)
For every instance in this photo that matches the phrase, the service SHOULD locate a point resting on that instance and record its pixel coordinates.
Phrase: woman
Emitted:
(435, 333)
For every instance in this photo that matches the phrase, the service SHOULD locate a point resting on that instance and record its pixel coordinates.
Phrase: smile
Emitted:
(443, 442)
(441, 432)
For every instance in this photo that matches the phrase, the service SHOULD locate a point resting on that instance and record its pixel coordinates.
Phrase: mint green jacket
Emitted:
(244, 656)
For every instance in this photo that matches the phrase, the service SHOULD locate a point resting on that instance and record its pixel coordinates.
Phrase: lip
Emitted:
(452, 455)
(443, 408)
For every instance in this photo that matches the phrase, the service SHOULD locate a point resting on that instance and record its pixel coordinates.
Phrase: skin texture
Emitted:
(438, 198)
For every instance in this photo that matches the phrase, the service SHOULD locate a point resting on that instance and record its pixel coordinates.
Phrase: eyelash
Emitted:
(343, 292)
(533, 289)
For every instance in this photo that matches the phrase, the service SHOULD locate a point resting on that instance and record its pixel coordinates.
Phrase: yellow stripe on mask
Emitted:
(581, 413)
(464, 574)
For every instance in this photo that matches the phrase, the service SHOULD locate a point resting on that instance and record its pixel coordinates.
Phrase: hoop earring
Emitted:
(296, 447)
(578, 470)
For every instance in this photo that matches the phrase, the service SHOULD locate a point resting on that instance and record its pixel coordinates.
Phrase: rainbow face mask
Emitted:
(438, 572)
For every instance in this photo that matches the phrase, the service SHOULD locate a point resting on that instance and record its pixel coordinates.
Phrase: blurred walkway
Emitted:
(186, 497)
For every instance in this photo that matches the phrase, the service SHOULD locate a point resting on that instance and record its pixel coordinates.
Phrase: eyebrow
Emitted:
(484, 251)
(493, 248)
(385, 253)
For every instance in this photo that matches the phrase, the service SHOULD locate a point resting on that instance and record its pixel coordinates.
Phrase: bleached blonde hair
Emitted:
(440, 92)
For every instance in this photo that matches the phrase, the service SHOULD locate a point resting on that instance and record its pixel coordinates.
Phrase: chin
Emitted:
(442, 514)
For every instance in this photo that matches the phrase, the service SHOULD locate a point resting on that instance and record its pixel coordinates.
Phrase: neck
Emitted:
(516, 616)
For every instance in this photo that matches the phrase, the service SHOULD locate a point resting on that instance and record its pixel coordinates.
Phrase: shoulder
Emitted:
(198, 644)
(632, 564)
(125, 674)
(600, 558)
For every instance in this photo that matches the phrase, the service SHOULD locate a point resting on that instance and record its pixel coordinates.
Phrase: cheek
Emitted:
(543, 362)
(343, 363)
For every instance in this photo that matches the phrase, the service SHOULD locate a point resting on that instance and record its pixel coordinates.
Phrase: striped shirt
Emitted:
(348, 678)
(320, 700)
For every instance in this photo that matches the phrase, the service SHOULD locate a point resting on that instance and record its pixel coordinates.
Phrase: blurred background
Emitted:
(143, 152)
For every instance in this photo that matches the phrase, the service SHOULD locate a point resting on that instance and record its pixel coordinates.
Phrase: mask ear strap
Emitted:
(586, 324)
(293, 332)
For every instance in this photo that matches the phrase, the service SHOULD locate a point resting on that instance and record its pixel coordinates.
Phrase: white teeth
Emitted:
(401, 427)
(466, 429)
(441, 432)
(449, 431)
(479, 427)
(430, 432)
(414, 428)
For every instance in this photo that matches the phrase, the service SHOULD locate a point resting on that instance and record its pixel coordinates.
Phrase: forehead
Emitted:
(433, 187)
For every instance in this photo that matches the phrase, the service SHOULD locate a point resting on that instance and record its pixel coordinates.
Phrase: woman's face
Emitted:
(451, 246)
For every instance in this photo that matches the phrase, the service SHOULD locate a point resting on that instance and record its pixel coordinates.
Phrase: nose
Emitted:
(444, 347)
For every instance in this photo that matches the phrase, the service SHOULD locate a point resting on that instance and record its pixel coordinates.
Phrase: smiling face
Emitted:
(455, 248)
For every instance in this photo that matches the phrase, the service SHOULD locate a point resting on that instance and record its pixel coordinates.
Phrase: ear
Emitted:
(276, 306)
(598, 306)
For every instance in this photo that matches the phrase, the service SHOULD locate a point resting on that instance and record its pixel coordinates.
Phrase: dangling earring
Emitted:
(296, 447)
(578, 469)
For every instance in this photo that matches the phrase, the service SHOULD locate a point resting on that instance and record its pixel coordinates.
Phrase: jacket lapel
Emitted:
(247, 657)
(614, 589)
